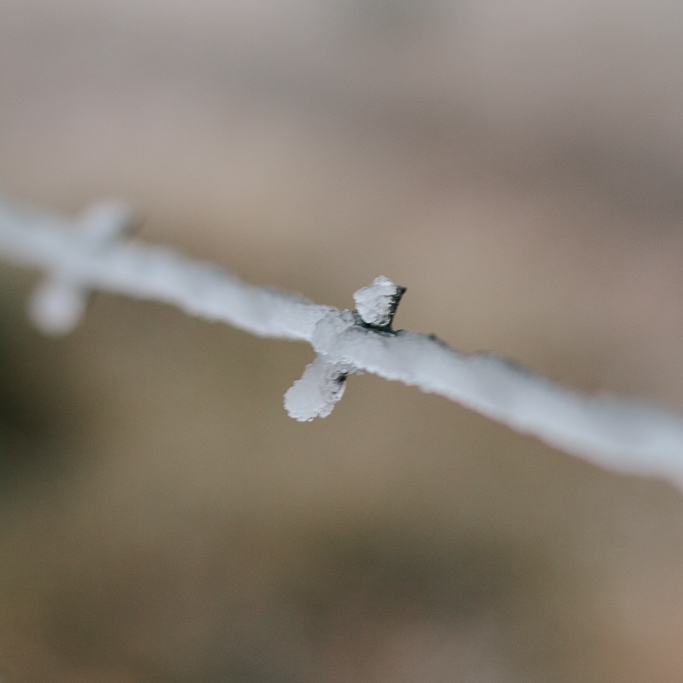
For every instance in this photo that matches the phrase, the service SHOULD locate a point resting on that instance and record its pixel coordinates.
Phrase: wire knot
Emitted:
(324, 380)
(60, 300)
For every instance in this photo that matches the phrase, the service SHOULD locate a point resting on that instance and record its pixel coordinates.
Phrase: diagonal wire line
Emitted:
(614, 433)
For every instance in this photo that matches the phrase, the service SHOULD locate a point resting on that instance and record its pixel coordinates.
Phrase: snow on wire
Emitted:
(96, 253)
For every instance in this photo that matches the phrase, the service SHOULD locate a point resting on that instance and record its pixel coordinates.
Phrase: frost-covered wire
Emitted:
(95, 253)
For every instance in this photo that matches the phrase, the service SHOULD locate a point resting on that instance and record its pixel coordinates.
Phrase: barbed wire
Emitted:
(96, 252)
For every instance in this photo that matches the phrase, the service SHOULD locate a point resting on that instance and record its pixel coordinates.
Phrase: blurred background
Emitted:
(518, 166)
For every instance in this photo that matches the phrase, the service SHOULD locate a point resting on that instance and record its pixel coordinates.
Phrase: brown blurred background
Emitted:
(518, 166)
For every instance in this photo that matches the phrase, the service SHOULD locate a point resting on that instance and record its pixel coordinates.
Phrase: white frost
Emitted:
(622, 435)
(626, 436)
(376, 303)
(318, 390)
(57, 305)
(106, 222)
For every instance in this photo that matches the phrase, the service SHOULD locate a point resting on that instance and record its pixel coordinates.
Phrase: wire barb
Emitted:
(60, 301)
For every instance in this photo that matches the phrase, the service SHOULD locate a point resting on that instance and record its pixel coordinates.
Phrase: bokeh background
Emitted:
(518, 166)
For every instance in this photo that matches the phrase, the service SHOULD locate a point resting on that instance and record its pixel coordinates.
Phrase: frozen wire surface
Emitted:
(614, 433)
